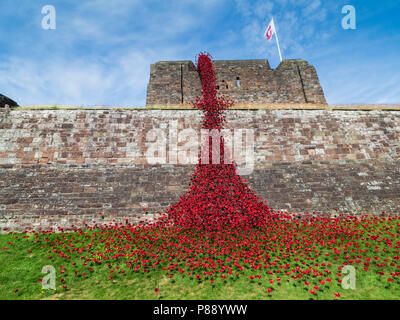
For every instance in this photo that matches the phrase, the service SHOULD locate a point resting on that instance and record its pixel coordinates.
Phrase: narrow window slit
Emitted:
(238, 82)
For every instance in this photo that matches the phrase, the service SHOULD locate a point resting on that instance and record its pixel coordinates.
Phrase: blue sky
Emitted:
(101, 50)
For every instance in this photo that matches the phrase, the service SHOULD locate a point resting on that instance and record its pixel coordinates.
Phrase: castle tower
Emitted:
(243, 81)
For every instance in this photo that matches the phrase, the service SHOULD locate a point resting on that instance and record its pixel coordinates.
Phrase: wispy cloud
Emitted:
(299, 24)
(78, 82)
(101, 51)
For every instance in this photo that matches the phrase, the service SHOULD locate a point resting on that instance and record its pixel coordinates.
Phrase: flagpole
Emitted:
(277, 41)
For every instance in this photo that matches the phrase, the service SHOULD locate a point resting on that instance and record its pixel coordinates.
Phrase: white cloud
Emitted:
(311, 7)
(84, 81)
(101, 51)
(298, 23)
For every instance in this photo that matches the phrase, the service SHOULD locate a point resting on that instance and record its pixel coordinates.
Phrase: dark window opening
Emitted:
(227, 86)
(238, 82)
(217, 87)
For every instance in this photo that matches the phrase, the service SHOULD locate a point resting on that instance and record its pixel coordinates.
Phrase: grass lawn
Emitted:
(84, 270)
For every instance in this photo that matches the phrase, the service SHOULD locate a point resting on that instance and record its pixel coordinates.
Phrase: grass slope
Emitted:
(22, 259)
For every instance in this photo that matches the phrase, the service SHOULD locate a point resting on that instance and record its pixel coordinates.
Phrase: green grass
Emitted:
(22, 270)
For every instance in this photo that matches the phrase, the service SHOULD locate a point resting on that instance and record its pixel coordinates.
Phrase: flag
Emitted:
(270, 30)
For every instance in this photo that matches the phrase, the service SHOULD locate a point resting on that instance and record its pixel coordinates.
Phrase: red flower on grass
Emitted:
(219, 226)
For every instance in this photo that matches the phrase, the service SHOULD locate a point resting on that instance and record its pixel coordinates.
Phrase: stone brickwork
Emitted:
(63, 167)
(243, 81)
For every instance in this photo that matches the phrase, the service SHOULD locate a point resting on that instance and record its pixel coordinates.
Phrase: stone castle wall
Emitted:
(243, 81)
(63, 167)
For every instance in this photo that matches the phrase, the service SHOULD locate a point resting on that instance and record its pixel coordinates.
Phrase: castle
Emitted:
(243, 81)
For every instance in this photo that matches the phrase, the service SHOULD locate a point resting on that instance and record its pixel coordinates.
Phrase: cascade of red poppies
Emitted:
(218, 197)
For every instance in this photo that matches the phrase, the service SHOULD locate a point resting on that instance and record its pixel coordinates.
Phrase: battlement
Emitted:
(249, 81)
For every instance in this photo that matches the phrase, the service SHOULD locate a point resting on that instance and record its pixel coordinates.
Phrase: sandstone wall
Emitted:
(63, 167)
(248, 81)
